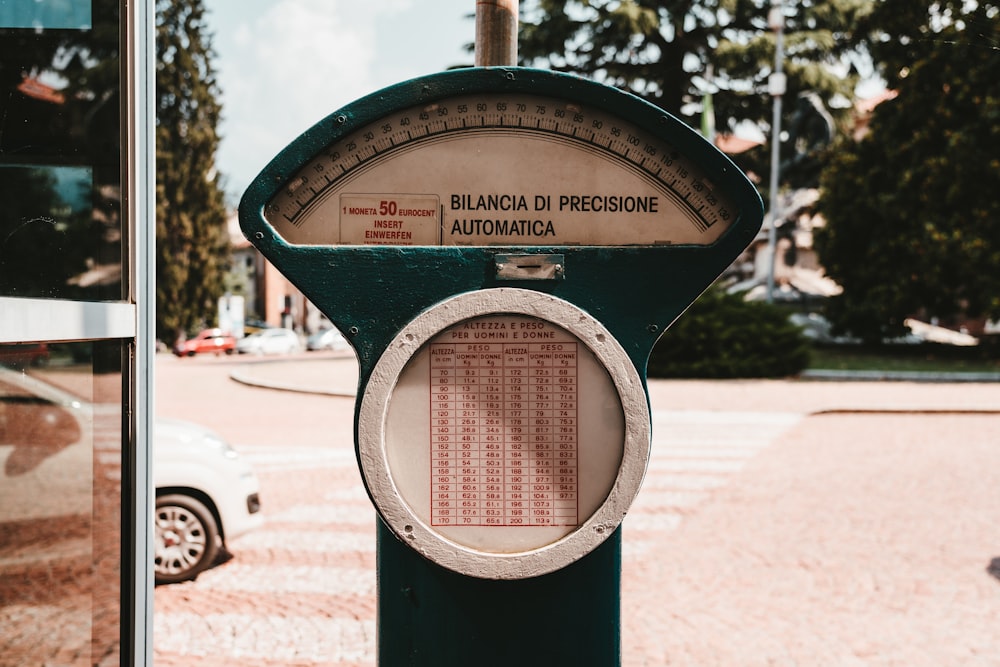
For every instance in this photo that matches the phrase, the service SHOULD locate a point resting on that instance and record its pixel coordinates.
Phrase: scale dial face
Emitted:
(500, 169)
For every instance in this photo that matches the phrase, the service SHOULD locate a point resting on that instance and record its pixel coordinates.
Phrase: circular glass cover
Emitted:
(503, 433)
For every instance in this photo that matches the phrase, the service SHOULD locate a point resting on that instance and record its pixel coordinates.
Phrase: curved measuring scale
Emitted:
(500, 168)
(545, 164)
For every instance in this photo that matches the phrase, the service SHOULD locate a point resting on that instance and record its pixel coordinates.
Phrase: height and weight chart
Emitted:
(504, 433)
(501, 432)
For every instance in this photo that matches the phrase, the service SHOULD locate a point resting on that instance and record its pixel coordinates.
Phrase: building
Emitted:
(268, 296)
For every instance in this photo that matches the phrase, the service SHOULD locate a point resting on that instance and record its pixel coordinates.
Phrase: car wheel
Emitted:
(186, 540)
(191, 353)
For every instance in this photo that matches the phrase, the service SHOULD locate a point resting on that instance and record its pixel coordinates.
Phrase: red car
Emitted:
(24, 354)
(216, 341)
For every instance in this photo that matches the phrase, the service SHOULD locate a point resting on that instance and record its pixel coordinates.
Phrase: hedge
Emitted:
(723, 336)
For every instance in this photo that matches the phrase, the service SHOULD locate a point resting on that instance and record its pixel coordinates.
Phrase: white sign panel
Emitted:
(389, 220)
(504, 435)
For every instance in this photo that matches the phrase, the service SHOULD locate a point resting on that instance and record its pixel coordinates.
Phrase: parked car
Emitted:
(327, 339)
(215, 341)
(206, 493)
(24, 354)
(53, 472)
(270, 341)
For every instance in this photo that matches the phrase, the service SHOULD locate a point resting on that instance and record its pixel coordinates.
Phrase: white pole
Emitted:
(776, 87)
(496, 33)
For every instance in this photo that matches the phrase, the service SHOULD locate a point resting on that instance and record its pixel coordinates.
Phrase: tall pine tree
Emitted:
(191, 239)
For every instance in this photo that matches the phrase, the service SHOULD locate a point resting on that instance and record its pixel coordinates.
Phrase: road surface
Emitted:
(780, 523)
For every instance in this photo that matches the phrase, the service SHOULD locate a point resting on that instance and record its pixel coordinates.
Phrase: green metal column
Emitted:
(432, 617)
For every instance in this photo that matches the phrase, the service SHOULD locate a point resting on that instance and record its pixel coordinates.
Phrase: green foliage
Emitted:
(723, 336)
(674, 52)
(922, 357)
(192, 246)
(913, 219)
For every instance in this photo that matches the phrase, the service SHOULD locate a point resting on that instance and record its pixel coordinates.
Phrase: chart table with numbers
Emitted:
(504, 434)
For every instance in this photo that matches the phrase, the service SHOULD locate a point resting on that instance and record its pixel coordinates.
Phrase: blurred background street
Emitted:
(781, 522)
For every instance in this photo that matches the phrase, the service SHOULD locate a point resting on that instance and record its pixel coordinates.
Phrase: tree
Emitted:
(191, 241)
(674, 52)
(913, 218)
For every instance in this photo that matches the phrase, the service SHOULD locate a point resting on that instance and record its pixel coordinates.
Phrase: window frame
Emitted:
(132, 321)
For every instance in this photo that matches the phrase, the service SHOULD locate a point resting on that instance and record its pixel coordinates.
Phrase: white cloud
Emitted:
(284, 65)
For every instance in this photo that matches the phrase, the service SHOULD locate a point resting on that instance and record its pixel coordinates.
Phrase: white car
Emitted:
(54, 471)
(206, 493)
(327, 339)
(270, 341)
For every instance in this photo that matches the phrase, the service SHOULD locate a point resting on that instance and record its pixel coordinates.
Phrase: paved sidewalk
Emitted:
(336, 375)
(780, 523)
(851, 540)
(330, 374)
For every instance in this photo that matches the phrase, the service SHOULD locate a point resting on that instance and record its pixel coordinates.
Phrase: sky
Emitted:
(283, 65)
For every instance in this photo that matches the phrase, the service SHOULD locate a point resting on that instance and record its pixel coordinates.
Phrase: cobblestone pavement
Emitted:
(776, 525)
(60, 520)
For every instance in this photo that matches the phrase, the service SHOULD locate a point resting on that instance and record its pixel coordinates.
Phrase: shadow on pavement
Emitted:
(994, 568)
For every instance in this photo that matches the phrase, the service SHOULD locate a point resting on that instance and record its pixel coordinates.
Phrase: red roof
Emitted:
(39, 91)
(730, 143)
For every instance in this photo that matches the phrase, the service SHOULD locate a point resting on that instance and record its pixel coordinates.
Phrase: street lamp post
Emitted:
(496, 33)
(776, 84)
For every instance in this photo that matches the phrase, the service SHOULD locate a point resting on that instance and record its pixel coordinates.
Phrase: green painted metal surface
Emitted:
(429, 615)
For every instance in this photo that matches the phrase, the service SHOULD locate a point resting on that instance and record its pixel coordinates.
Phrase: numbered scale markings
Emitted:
(500, 169)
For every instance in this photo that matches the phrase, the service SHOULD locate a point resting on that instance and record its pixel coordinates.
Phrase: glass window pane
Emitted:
(45, 14)
(60, 503)
(60, 150)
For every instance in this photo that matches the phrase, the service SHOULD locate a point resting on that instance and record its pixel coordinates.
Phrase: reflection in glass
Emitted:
(60, 491)
(40, 14)
(60, 150)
